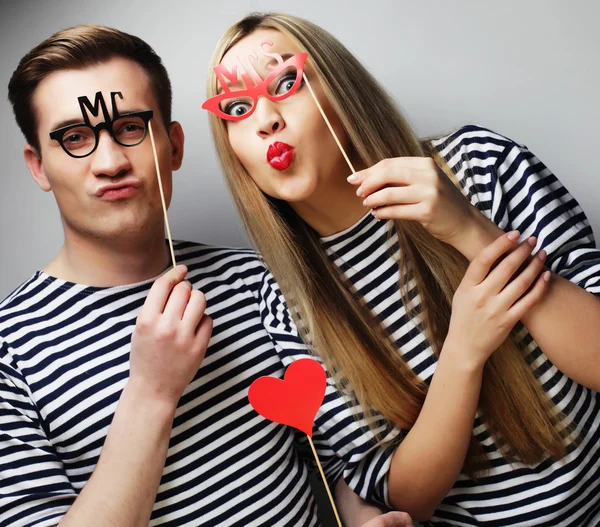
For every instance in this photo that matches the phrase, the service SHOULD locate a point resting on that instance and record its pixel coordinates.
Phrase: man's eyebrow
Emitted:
(273, 61)
(68, 122)
(79, 121)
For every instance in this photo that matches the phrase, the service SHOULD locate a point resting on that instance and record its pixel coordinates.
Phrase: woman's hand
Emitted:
(391, 519)
(490, 300)
(414, 188)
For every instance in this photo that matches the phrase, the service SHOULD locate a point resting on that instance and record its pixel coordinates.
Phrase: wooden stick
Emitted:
(325, 481)
(330, 127)
(328, 123)
(162, 195)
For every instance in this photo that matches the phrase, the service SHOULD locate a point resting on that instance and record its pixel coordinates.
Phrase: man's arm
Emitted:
(168, 345)
(123, 487)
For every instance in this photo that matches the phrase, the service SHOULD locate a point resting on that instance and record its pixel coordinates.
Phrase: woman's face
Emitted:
(285, 146)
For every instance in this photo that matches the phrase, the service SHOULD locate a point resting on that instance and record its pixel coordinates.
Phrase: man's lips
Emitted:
(118, 190)
(280, 155)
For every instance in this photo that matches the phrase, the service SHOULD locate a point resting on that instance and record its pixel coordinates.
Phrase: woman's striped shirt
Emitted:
(510, 186)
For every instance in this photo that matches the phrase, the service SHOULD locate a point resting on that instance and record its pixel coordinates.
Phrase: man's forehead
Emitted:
(57, 96)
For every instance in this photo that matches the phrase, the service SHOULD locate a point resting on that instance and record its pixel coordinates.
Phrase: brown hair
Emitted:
(76, 48)
(362, 357)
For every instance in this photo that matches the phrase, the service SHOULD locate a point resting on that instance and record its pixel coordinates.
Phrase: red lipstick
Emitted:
(280, 155)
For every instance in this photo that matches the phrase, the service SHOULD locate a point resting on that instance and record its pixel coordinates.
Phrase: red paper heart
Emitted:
(293, 401)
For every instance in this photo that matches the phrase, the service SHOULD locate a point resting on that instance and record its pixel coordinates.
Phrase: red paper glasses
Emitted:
(235, 105)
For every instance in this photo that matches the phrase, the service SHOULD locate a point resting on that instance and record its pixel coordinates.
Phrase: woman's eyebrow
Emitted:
(242, 85)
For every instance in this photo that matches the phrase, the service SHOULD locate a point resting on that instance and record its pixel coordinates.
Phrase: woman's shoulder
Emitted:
(473, 142)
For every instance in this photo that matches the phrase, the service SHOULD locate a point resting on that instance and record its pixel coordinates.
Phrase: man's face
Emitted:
(113, 193)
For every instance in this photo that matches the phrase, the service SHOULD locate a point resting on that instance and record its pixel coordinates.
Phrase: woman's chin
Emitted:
(293, 192)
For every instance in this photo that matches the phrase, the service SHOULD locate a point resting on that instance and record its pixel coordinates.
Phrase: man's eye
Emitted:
(77, 136)
(73, 138)
(132, 128)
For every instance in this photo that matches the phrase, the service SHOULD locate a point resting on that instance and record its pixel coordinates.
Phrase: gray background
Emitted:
(527, 69)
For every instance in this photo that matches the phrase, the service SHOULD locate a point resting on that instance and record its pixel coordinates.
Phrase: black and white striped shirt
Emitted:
(64, 360)
(509, 185)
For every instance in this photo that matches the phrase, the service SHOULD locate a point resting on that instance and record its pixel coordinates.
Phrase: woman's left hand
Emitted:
(414, 188)
(391, 519)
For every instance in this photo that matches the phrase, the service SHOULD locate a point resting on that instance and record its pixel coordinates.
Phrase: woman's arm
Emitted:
(565, 323)
(486, 306)
(518, 191)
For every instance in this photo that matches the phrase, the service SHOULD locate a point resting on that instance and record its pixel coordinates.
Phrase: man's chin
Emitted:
(128, 231)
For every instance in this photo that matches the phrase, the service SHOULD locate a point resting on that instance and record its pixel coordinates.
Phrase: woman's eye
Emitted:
(286, 84)
(238, 108)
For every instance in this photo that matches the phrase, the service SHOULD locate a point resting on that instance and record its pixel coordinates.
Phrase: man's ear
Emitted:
(34, 164)
(177, 140)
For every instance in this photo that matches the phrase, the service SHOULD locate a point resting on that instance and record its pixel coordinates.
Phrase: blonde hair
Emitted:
(362, 358)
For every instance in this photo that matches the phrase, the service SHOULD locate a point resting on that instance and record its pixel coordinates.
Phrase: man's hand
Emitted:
(170, 338)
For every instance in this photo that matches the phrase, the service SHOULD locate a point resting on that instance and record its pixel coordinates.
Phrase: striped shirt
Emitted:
(64, 360)
(510, 186)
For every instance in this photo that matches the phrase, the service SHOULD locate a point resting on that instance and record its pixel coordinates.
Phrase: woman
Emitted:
(411, 306)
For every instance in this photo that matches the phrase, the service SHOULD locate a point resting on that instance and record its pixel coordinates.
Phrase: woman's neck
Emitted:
(332, 208)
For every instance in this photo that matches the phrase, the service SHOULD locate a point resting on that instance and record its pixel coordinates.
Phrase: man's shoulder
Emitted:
(28, 289)
(206, 256)
(23, 302)
(219, 262)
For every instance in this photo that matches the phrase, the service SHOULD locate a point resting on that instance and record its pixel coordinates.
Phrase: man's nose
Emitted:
(109, 158)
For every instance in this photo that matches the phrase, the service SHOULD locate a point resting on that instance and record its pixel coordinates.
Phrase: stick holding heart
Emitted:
(294, 401)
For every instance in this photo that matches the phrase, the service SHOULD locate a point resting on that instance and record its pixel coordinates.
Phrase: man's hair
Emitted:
(80, 47)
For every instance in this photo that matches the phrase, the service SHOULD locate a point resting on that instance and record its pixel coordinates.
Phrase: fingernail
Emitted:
(364, 203)
(353, 178)
(359, 191)
(181, 270)
(547, 275)
(514, 235)
(532, 240)
(542, 255)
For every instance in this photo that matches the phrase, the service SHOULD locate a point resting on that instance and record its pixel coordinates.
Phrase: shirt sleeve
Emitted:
(345, 443)
(34, 489)
(514, 189)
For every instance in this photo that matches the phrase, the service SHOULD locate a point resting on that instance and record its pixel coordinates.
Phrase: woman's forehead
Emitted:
(256, 44)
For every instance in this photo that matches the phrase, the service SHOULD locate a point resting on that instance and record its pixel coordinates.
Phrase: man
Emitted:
(106, 417)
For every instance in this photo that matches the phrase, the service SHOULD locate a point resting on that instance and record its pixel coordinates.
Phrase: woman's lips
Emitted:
(280, 155)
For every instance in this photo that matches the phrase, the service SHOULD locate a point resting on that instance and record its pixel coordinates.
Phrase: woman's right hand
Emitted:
(487, 304)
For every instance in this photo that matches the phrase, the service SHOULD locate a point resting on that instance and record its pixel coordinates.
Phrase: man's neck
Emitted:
(110, 263)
